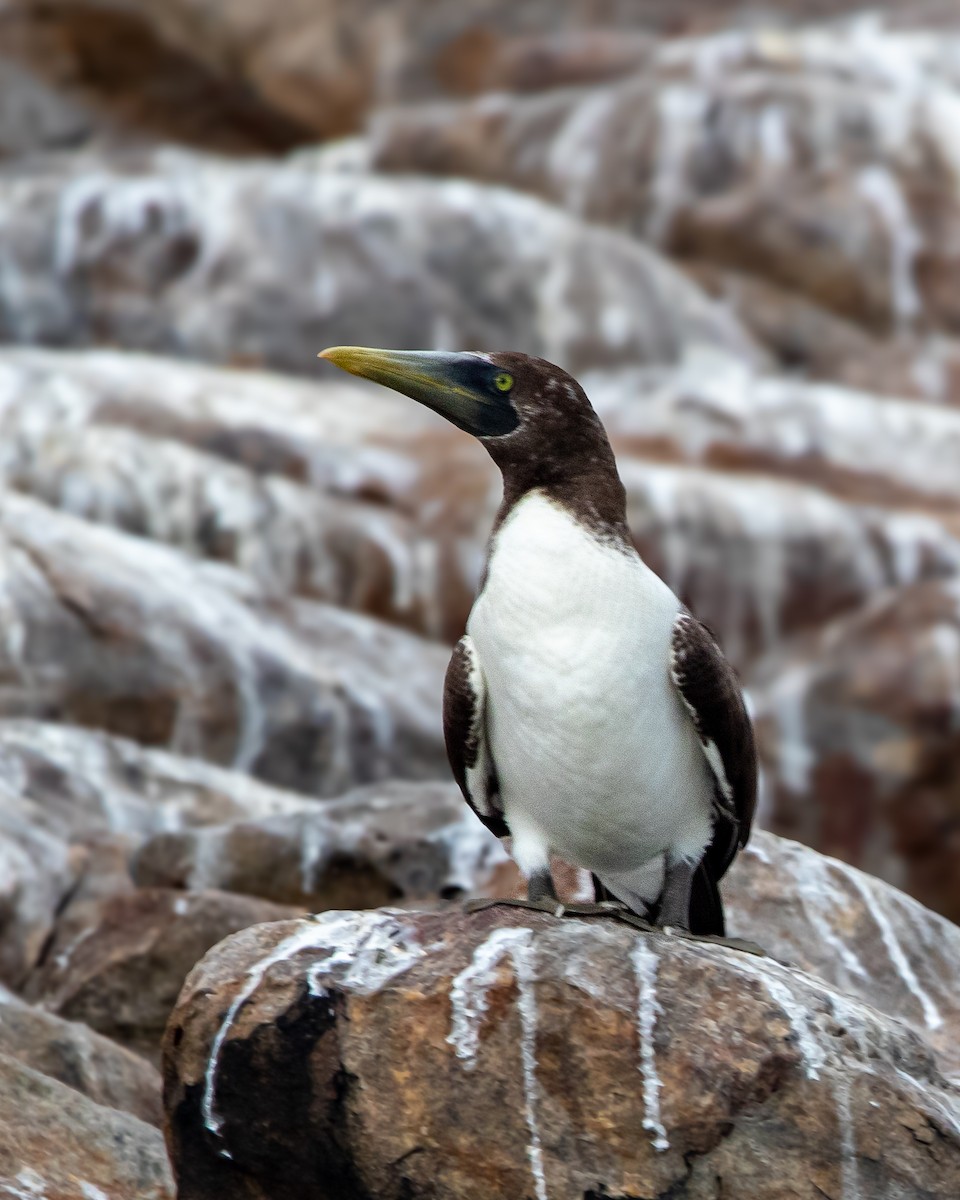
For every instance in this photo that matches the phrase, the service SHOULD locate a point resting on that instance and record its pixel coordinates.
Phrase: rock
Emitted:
(390, 1054)
(71, 77)
(325, 66)
(117, 964)
(58, 1145)
(406, 499)
(804, 337)
(374, 846)
(715, 412)
(820, 159)
(760, 558)
(38, 871)
(857, 730)
(82, 784)
(267, 263)
(108, 631)
(287, 537)
(858, 934)
(73, 1054)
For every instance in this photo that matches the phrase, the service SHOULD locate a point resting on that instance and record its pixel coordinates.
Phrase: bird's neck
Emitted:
(590, 490)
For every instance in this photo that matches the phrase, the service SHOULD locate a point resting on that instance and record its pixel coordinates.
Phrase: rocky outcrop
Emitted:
(860, 935)
(517, 1054)
(761, 558)
(323, 491)
(374, 846)
(267, 263)
(819, 158)
(58, 1144)
(110, 631)
(69, 77)
(76, 1056)
(715, 412)
(858, 734)
(84, 784)
(117, 963)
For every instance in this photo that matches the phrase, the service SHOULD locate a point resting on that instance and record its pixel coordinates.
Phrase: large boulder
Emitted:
(110, 631)
(855, 932)
(387, 1055)
(329, 491)
(81, 784)
(56, 1144)
(857, 727)
(117, 963)
(268, 262)
(70, 76)
(73, 1054)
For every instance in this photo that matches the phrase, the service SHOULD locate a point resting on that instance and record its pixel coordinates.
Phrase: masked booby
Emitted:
(586, 711)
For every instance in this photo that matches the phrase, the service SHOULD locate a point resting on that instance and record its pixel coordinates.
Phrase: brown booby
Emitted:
(587, 713)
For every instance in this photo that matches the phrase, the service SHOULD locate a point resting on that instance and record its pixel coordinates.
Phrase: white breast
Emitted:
(592, 747)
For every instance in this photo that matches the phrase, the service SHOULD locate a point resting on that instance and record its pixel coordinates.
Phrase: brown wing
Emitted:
(711, 693)
(464, 731)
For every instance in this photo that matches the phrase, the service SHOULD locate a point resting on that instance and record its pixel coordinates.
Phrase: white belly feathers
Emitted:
(596, 757)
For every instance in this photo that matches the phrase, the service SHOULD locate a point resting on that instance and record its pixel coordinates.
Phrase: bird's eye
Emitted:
(503, 382)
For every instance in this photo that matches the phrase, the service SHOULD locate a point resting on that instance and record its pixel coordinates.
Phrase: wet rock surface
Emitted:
(513, 1053)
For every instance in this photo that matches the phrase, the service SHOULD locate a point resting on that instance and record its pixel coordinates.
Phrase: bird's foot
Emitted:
(604, 908)
(544, 905)
(744, 945)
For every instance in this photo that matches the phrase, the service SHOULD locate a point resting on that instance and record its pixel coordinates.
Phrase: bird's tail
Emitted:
(706, 907)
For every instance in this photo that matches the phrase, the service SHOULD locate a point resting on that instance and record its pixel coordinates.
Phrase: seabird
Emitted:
(586, 712)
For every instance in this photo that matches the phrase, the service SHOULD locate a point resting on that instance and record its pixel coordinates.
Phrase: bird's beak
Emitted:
(458, 386)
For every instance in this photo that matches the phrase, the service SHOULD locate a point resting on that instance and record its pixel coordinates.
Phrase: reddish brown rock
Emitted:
(803, 336)
(374, 846)
(69, 77)
(857, 730)
(73, 1054)
(117, 964)
(345, 493)
(517, 1054)
(760, 558)
(56, 1144)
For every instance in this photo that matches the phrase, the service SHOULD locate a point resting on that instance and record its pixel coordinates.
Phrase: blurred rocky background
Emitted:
(229, 579)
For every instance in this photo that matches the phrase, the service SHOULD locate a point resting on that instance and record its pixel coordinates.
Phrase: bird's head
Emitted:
(521, 408)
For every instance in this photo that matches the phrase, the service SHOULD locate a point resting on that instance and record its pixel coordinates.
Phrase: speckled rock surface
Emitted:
(56, 1144)
(116, 964)
(505, 1053)
(85, 1061)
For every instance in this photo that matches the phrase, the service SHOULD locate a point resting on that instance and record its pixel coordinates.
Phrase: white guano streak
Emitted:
(363, 941)
(468, 1000)
(874, 905)
(645, 965)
